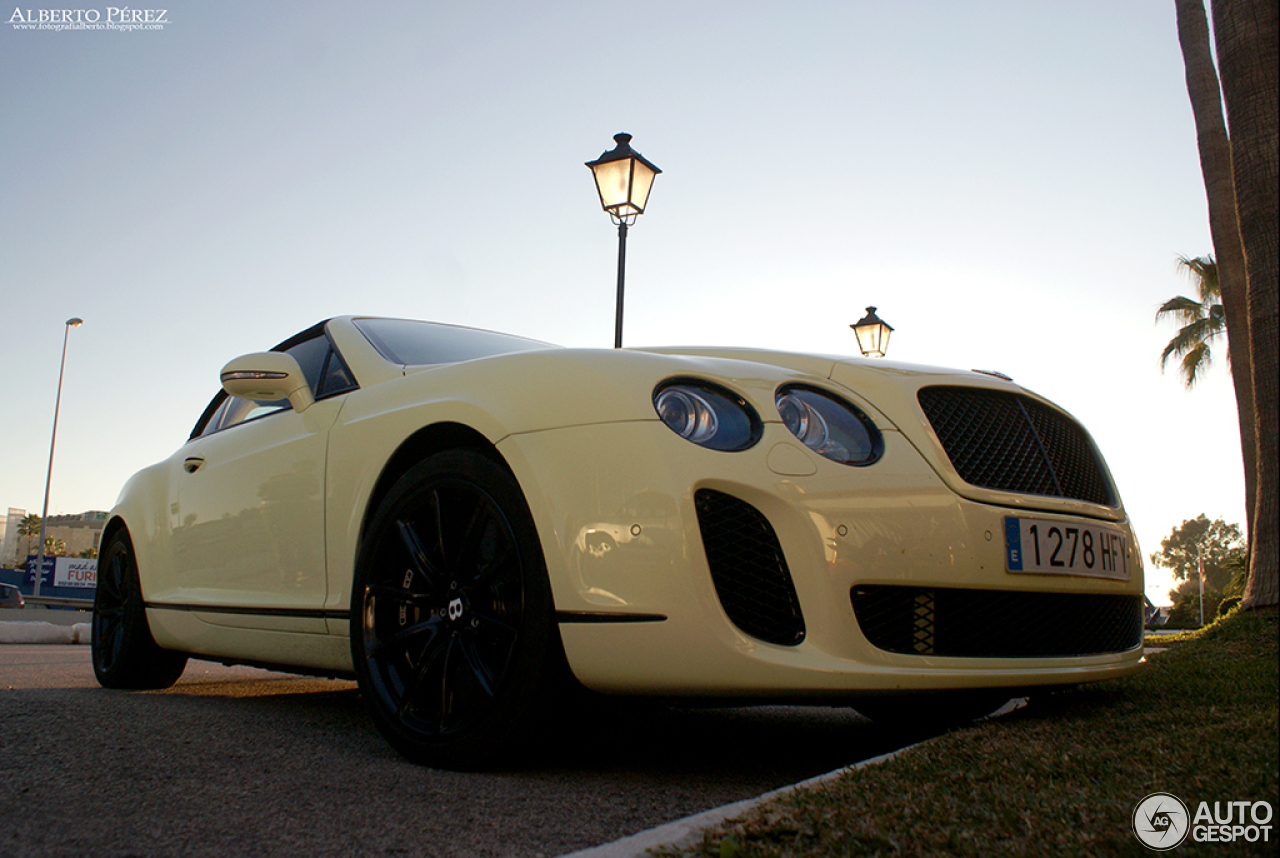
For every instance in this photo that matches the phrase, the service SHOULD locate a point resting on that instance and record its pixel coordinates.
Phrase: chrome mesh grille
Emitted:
(1005, 441)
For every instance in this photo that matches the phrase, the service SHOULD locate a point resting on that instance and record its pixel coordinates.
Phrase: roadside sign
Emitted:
(77, 572)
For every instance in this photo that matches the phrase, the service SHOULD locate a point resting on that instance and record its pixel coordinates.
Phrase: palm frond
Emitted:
(1194, 364)
(1182, 309)
(1190, 336)
(1203, 273)
(1206, 329)
(1192, 346)
(1202, 321)
(1178, 346)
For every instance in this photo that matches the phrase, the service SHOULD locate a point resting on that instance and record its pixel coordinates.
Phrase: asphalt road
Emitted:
(238, 761)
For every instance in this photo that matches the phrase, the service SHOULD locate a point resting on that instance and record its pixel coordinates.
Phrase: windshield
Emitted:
(413, 343)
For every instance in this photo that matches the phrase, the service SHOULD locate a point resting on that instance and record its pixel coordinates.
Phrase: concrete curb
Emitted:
(44, 633)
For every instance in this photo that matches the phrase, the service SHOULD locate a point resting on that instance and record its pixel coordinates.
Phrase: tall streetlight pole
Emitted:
(1200, 570)
(73, 322)
(624, 178)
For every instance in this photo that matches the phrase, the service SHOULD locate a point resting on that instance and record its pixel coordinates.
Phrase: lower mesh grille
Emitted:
(748, 569)
(996, 623)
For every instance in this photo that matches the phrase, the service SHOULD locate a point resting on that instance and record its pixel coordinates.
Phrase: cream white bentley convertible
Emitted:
(463, 519)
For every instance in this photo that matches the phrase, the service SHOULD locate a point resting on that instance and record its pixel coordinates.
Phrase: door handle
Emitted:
(192, 464)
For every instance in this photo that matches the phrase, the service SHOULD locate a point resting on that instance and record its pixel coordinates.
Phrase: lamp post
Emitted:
(873, 334)
(73, 322)
(624, 178)
(1200, 570)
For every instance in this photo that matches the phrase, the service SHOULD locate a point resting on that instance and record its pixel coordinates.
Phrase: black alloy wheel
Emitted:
(124, 653)
(451, 623)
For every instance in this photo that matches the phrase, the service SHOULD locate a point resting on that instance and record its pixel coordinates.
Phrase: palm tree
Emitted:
(30, 528)
(1205, 92)
(1202, 321)
(54, 547)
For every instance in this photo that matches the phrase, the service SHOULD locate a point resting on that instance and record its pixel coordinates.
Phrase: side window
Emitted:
(231, 411)
(242, 410)
(311, 356)
(337, 378)
(326, 374)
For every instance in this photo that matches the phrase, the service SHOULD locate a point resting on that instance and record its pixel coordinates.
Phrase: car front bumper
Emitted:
(641, 612)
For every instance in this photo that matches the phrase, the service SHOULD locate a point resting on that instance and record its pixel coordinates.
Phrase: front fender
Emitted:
(142, 509)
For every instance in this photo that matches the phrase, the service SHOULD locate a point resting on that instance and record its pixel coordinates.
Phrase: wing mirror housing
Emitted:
(267, 376)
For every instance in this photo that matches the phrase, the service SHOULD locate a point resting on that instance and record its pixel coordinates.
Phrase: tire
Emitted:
(124, 653)
(452, 627)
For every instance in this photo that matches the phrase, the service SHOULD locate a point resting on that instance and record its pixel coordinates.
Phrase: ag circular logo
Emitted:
(1161, 821)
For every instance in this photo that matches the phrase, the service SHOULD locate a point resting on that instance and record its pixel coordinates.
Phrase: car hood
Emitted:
(557, 388)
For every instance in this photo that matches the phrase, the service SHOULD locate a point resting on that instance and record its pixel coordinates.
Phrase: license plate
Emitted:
(1047, 547)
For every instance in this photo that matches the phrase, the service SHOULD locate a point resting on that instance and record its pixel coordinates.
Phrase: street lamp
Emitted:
(1200, 570)
(73, 322)
(873, 334)
(624, 178)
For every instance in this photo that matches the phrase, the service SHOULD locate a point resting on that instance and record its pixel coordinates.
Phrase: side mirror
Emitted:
(269, 376)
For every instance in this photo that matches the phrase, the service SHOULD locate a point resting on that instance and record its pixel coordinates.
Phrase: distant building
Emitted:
(10, 542)
(78, 533)
(1156, 616)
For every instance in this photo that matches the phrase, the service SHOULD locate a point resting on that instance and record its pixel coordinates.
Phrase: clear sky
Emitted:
(1009, 182)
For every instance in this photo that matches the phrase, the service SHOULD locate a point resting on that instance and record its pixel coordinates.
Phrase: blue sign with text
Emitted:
(46, 577)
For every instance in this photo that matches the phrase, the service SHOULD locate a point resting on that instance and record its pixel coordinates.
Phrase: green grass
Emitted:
(1061, 776)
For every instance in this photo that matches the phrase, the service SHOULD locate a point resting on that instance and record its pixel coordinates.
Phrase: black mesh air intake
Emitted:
(996, 623)
(748, 569)
(1001, 440)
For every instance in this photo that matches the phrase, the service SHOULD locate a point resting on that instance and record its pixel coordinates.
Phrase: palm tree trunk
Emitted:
(1215, 164)
(1248, 40)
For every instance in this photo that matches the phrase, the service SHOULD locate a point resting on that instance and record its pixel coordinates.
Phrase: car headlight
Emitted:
(829, 426)
(707, 415)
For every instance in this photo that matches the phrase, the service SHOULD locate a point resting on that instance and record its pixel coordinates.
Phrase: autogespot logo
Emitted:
(1161, 821)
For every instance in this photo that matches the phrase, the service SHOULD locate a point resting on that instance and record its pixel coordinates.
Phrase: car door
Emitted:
(247, 509)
